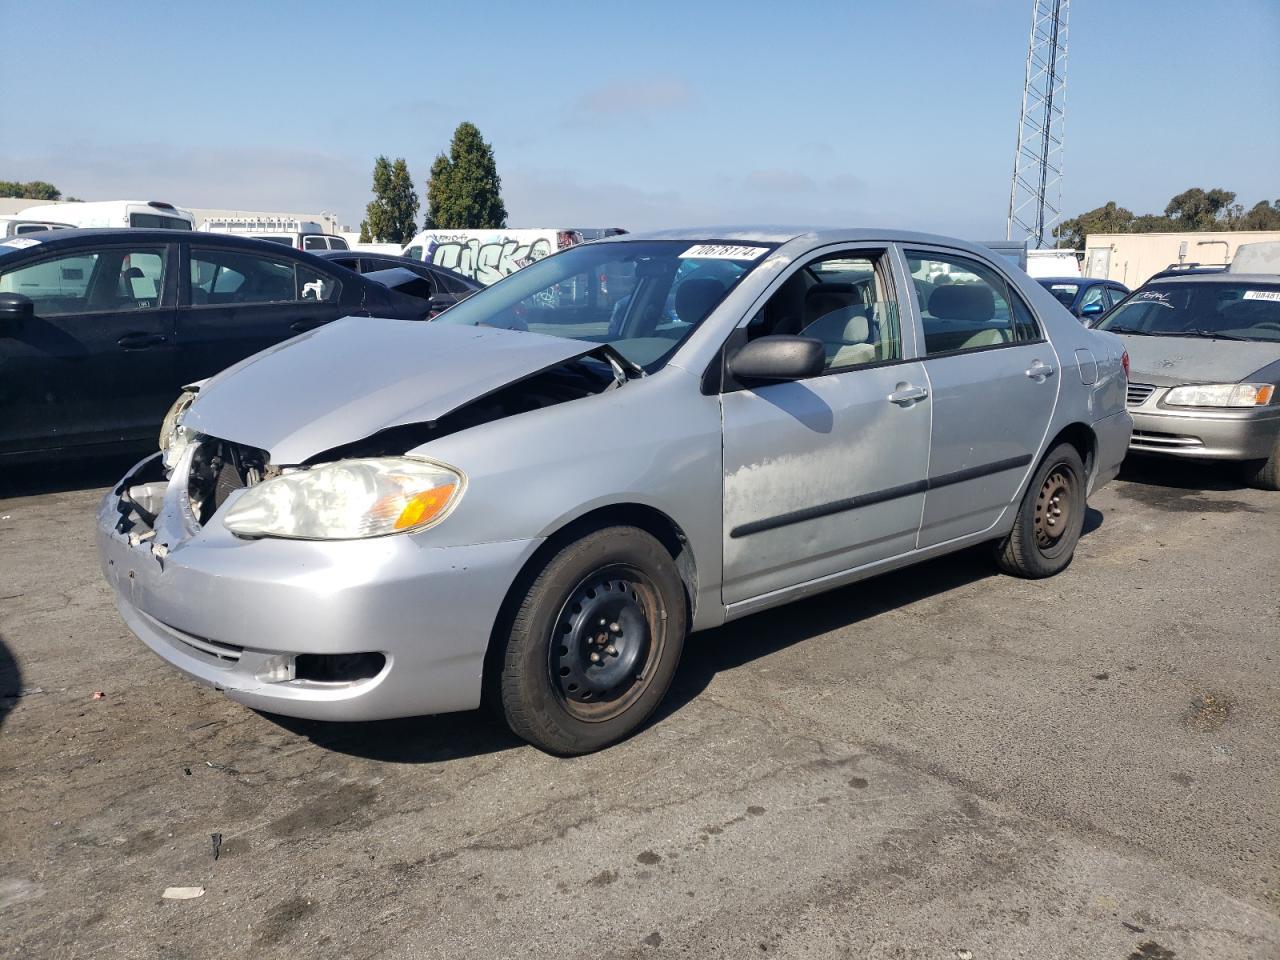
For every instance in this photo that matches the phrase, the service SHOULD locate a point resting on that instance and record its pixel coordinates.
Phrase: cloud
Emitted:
(653, 95)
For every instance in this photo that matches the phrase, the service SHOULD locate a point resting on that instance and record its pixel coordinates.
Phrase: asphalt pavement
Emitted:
(939, 763)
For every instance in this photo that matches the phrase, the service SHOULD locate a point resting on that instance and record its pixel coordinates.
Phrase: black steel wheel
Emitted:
(594, 642)
(1049, 519)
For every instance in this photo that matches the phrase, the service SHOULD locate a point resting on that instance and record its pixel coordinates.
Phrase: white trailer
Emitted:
(143, 214)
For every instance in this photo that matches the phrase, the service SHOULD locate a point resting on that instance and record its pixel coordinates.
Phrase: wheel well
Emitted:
(1082, 437)
(649, 519)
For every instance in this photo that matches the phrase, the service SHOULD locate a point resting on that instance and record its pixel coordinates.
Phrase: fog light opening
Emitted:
(338, 668)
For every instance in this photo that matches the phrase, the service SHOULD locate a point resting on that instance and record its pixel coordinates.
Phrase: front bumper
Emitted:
(231, 612)
(1228, 433)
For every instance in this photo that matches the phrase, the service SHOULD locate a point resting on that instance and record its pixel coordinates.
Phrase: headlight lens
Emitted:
(348, 500)
(1220, 395)
(174, 437)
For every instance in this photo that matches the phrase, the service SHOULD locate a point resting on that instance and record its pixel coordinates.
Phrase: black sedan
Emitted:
(1087, 297)
(100, 329)
(442, 287)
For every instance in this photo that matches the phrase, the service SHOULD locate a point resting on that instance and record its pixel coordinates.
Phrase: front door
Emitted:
(96, 364)
(826, 474)
(994, 382)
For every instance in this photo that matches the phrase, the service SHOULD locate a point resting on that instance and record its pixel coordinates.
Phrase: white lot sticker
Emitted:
(1064, 286)
(723, 251)
(1262, 295)
(20, 242)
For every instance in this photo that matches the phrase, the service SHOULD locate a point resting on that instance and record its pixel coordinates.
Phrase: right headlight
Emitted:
(1220, 395)
(348, 500)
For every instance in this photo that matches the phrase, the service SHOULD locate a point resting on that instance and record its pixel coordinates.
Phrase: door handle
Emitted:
(302, 326)
(140, 341)
(906, 395)
(1039, 371)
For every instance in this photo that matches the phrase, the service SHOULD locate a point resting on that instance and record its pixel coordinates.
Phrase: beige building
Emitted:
(1131, 258)
(10, 206)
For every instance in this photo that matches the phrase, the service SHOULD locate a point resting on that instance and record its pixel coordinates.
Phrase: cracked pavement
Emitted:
(939, 763)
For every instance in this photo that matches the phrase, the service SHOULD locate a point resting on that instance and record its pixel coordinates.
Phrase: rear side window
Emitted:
(337, 243)
(222, 277)
(314, 242)
(414, 253)
(966, 305)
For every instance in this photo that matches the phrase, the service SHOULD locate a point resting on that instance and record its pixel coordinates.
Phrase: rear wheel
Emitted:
(1050, 518)
(594, 643)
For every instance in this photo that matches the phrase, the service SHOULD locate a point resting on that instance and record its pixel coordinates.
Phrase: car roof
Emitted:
(766, 233)
(396, 258)
(1220, 277)
(55, 239)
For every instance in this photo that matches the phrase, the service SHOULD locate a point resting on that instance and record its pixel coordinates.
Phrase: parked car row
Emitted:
(99, 329)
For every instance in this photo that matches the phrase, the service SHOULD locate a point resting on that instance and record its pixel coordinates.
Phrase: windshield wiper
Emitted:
(1133, 330)
(1211, 335)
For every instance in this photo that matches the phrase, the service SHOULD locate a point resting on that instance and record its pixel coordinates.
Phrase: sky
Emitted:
(895, 113)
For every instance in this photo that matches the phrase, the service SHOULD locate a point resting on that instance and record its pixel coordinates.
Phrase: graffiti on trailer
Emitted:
(487, 262)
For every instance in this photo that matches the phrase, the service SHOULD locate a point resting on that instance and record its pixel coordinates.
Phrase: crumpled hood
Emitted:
(1166, 361)
(351, 378)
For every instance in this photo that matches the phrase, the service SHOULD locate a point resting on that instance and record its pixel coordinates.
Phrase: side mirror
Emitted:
(15, 310)
(779, 358)
(1091, 310)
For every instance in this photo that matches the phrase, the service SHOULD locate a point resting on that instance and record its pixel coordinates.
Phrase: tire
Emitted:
(1050, 518)
(615, 595)
(1264, 474)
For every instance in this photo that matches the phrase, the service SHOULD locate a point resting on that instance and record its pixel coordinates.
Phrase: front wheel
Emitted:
(1050, 518)
(1264, 474)
(594, 643)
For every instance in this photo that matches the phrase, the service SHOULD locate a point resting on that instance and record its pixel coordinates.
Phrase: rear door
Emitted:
(237, 301)
(994, 382)
(97, 363)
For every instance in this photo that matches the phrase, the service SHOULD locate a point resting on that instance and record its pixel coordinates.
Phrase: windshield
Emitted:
(1064, 293)
(1231, 311)
(642, 297)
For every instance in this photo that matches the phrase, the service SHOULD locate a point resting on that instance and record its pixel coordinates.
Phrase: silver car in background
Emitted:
(537, 496)
(1205, 353)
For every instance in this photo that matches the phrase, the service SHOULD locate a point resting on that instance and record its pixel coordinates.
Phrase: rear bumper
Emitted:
(234, 614)
(1112, 434)
(1228, 434)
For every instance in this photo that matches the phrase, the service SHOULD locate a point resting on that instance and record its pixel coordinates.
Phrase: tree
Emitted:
(1108, 218)
(465, 191)
(365, 235)
(391, 215)
(1198, 209)
(33, 190)
(1261, 216)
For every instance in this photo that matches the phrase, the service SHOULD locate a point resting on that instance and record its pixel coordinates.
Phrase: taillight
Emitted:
(1124, 362)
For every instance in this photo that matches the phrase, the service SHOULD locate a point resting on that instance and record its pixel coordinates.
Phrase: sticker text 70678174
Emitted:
(723, 251)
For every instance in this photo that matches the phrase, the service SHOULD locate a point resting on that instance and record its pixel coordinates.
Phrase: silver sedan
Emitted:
(535, 498)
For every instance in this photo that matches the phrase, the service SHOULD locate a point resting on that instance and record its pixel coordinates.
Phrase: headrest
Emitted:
(134, 273)
(823, 298)
(857, 329)
(695, 298)
(972, 302)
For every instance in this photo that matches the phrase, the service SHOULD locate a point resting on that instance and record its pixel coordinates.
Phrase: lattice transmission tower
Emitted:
(1035, 198)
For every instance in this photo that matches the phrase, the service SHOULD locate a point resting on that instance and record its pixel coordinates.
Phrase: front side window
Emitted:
(222, 277)
(1094, 295)
(314, 242)
(1232, 310)
(841, 299)
(338, 243)
(644, 298)
(966, 305)
(414, 253)
(91, 281)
